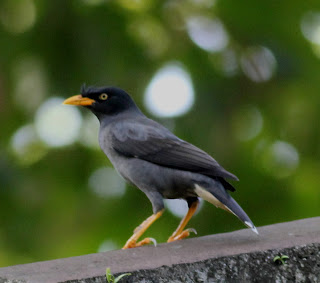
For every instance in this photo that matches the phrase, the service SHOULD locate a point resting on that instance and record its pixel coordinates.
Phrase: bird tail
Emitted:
(219, 197)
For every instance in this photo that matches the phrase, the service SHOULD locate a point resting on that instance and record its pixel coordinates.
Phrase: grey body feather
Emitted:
(161, 165)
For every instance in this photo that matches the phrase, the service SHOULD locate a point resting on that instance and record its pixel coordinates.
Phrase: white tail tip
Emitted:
(253, 228)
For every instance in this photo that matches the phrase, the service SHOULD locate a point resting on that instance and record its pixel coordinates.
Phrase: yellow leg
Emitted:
(180, 233)
(132, 242)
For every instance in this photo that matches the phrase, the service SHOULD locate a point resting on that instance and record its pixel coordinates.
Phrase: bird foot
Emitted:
(182, 235)
(133, 244)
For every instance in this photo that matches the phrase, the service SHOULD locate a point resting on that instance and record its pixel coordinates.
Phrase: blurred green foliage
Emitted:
(256, 110)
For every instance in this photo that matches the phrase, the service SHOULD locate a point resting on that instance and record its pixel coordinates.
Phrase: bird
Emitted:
(153, 159)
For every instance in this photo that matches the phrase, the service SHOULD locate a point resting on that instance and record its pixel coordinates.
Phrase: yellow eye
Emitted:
(103, 96)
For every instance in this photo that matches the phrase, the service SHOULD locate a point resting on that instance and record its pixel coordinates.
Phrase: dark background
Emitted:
(254, 69)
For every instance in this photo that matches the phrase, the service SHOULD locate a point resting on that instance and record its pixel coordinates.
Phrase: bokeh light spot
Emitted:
(30, 83)
(226, 62)
(204, 3)
(17, 16)
(258, 63)
(135, 5)
(310, 27)
(179, 207)
(26, 145)
(57, 124)
(247, 123)
(107, 245)
(106, 183)
(208, 34)
(90, 131)
(280, 159)
(170, 92)
(144, 30)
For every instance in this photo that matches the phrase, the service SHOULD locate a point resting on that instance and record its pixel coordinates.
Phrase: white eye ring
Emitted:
(103, 96)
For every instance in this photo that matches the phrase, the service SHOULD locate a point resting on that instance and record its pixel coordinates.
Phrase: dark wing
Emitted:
(148, 140)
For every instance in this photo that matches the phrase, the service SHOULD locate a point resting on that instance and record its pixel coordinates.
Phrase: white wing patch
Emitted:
(203, 193)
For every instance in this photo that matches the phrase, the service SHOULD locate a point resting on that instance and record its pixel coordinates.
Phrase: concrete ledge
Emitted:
(239, 256)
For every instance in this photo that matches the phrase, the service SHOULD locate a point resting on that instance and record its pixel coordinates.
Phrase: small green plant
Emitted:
(112, 279)
(280, 259)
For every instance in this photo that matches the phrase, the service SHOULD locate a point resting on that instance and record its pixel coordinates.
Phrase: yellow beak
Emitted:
(79, 100)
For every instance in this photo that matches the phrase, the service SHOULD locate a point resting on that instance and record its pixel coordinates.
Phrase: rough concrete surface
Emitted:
(303, 265)
(240, 256)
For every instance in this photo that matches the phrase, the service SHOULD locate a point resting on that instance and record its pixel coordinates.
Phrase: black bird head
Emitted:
(104, 101)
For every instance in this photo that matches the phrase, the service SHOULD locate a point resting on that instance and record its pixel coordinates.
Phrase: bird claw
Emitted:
(153, 241)
(182, 235)
(134, 244)
(192, 230)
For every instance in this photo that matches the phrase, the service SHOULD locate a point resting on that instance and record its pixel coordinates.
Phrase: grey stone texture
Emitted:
(239, 256)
